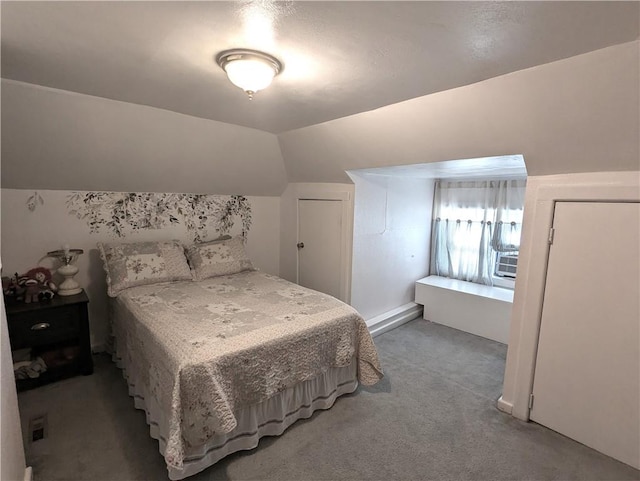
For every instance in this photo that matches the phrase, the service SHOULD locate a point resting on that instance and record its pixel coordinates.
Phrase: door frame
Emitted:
(346, 200)
(541, 195)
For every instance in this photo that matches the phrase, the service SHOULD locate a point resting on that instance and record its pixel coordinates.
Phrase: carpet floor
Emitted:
(433, 417)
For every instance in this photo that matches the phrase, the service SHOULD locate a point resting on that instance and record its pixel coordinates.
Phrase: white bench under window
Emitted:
(481, 310)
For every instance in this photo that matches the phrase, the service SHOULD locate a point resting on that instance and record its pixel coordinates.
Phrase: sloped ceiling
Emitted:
(580, 114)
(340, 58)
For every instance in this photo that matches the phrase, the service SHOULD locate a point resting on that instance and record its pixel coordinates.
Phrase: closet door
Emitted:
(320, 245)
(587, 374)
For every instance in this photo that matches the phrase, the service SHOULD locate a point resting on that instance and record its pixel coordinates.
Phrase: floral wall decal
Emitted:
(120, 212)
(34, 200)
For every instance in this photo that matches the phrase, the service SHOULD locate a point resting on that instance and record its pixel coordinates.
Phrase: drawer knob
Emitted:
(40, 326)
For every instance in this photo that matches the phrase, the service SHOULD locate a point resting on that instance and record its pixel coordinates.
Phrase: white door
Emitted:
(587, 374)
(320, 245)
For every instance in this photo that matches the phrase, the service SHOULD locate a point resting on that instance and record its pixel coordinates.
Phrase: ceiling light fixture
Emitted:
(250, 70)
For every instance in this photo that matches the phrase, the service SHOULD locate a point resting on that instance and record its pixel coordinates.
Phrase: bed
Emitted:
(219, 361)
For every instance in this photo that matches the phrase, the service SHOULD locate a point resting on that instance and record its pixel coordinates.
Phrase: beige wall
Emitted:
(54, 139)
(391, 236)
(575, 115)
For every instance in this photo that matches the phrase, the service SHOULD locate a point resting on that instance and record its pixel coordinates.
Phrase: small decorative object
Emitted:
(37, 285)
(34, 286)
(69, 286)
(12, 290)
(9, 286)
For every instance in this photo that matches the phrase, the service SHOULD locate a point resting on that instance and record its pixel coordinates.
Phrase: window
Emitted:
(476, 230)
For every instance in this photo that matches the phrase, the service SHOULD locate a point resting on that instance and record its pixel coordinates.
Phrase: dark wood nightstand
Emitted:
(55, 330)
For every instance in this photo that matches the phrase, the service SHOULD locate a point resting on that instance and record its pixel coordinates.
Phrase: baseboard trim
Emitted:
(28, 474)
(504, 406)
(394, 318)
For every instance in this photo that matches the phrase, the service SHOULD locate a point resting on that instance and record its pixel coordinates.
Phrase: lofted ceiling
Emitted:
(340, 58)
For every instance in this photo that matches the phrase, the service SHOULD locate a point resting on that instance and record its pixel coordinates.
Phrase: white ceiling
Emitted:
(340, 58)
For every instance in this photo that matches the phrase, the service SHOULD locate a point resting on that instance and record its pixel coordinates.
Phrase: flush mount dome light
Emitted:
(250, 70)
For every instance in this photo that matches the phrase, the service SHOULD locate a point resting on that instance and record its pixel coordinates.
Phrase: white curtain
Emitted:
(471, 222)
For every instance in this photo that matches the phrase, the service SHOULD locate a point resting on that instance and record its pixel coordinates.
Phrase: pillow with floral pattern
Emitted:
(143, 263)
(218, 258)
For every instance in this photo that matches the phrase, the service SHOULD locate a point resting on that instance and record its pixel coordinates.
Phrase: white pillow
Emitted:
(218, 258)
(143, 263)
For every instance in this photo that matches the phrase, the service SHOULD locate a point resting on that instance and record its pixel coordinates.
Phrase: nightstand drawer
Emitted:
(30, 329)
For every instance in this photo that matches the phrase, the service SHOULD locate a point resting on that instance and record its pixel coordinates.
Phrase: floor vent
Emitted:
(38, 428)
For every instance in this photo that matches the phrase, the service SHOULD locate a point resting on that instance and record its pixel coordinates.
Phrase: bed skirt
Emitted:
(268, 418)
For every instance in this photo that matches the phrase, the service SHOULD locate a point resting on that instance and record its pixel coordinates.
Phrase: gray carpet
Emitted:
(433, 417)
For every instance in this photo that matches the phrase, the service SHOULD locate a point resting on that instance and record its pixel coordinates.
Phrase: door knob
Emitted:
(300, 245)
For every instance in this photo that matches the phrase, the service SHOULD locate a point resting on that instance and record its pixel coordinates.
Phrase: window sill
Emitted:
(471, 288)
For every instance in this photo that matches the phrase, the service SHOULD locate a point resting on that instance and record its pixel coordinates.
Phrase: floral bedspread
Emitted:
(205, 349)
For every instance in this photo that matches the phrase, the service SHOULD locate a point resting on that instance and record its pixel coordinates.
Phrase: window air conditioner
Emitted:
(506, 264)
